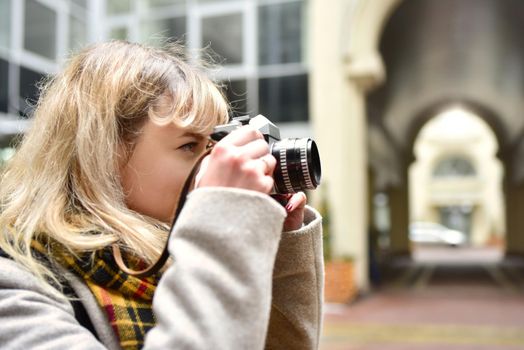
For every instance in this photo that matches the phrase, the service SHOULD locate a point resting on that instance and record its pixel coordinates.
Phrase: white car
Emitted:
(430, 232)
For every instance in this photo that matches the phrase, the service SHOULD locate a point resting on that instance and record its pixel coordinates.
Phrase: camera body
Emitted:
(298, 161)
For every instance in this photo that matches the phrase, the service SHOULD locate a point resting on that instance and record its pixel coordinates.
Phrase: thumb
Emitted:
(203, 167)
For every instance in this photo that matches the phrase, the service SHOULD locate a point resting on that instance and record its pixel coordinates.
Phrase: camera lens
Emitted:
(298, 165)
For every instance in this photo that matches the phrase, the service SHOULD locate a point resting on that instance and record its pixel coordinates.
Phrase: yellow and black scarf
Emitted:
(126, 300)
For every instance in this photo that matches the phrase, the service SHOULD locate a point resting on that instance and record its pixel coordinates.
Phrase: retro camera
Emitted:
(298, 161)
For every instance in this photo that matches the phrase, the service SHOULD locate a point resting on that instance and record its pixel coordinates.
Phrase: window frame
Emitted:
(249, 70)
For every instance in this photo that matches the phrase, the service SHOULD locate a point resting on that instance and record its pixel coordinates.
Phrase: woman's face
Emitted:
(158, 167)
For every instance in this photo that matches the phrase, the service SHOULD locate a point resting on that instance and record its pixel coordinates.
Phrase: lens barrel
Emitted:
(298, 165)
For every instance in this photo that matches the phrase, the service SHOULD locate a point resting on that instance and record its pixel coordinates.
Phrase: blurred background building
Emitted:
(418, 108)
(261, 46)
(416, 105)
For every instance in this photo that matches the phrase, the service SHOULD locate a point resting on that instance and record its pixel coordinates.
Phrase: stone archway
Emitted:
(456, 178)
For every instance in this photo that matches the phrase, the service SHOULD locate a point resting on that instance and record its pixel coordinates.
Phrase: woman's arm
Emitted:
(217, 294)
(296, 312)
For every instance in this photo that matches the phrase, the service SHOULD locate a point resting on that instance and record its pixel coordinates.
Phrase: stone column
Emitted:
(399, 216)
(345, 64)
(514, 200)
(338, 117)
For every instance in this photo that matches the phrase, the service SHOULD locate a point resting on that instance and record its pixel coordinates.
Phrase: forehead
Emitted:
(168, 132)
(198, 117)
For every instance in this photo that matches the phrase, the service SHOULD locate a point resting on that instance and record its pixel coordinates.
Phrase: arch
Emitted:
(476, 186)
(482, 111)
(366, 20)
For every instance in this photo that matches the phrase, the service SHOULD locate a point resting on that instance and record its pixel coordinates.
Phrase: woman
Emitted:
(113, 139)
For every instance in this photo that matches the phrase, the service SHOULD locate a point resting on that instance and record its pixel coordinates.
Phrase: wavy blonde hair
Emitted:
(63, 185)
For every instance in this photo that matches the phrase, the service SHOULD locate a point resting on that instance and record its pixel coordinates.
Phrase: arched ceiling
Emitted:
(452, 50)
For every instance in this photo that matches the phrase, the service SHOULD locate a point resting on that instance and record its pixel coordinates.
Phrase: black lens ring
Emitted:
(298, 165)
(313, 160)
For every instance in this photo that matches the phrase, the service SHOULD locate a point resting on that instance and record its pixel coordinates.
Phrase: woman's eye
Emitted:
(189, 147)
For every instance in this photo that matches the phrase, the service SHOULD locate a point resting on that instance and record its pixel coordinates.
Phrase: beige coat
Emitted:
(237, 283)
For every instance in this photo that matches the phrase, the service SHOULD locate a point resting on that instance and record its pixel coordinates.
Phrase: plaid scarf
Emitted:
(126, 300)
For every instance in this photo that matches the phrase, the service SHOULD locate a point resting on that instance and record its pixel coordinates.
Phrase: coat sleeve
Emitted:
(34, 318)
(296, 311)
(217, 294)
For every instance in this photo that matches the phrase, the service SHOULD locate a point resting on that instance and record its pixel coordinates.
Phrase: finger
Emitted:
(261, 166)
(297, 201)
(255, 149)
(203, 167)
(269, 163)
(282, 199)
(267, 184)
(242, 136)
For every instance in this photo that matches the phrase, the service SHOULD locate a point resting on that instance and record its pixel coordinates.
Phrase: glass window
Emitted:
(28, 90)
(118, 33)
(118, 6)
(156, 31)
(284, 99)
(280, 33)
(224, 35)
(40, 29)
(213, 1)
(236, 95)
(5, 22)
(164, 3)
(5, 154)
(81, 3)
(77, 33)
(454, 167)
(4, 85)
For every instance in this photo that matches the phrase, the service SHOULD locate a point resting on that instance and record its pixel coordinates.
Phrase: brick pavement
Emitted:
(434, 305)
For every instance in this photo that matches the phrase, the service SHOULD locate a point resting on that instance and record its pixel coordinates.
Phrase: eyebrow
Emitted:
(193, 134)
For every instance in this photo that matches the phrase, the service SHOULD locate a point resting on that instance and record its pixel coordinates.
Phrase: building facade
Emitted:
(259, 45)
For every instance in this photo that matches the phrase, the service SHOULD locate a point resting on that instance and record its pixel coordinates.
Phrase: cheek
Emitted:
(152, 186)
(167, 180)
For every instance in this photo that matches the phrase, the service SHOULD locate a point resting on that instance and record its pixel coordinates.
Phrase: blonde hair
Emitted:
(63, 184)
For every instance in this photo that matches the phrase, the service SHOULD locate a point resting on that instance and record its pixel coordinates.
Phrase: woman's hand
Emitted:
(241, 160)
(295, 211)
